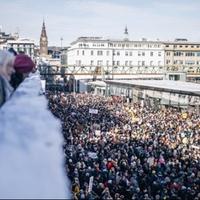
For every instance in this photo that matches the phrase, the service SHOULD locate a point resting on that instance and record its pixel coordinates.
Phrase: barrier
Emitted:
(31, 157)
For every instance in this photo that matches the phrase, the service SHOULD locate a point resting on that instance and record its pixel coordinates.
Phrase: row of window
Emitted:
(120, 45)
(184, 46)
(181, 62)
(180, 53)
(22, 46)
(117, 63)
(136, 45)
(133, 45)
(117, 53)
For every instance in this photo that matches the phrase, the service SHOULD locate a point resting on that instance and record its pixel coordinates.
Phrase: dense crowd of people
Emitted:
(115, 150)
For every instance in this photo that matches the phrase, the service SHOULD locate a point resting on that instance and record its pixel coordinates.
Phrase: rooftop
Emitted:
(179, 87)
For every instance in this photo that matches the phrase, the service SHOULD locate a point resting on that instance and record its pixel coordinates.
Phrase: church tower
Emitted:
(43, 42)
(126, 33)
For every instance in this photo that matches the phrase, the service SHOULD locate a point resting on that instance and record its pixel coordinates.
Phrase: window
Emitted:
(118, 63)
(180, 46)
(110, 44)
(130, 53)
(99, 53)
(143, 63)
(175, 62)
(151, 53)
(197, 62)
(159, 53)
(189, 54)
(178, 53)
(126, 53)
(186, 46)
(180, 62)
(192, 46)
(143, 53)
(78, 62)
(151, 63)
(139, 63)
(198, 54)
(83, 52)
(77, 52)
(92, 62)
(167, 61)
(126, 63)
(99, 62)
(189, 62)
(92, 53)
(166, 45)
(130, 63)
(168, 53)
(139, 53)
(118, 53)
(107, 53)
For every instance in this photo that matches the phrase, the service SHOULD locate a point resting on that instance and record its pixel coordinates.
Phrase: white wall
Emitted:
(132, 53)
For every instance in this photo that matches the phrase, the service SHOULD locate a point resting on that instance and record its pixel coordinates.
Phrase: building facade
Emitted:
(43, 42)
(26, 46)
(182, 55)
(63, 56)
(95, 51)
(4, 37)
(133, 56)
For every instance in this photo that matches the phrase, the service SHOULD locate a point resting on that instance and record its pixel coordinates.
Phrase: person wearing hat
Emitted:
(23, 65)
(6, 69)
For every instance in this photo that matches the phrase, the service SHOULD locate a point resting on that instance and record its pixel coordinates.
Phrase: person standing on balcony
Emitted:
(6, 69)
(23, 65)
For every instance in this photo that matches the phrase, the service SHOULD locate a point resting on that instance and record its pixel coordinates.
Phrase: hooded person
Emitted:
(6, 70)
(23, 65)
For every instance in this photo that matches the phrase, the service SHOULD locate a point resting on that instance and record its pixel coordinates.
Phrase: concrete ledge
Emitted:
(31, 157)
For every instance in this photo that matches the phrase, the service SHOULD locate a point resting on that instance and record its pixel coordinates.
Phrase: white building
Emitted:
(25, 45)
(96, 51)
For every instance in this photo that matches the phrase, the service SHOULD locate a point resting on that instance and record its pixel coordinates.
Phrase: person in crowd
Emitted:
(11, 50)
(131, 151)
(6, 69)
(23, 66)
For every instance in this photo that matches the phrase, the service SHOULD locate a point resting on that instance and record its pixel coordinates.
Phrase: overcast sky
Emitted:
(151, 19)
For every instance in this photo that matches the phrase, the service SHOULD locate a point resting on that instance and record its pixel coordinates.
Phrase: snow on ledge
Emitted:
(31, 158)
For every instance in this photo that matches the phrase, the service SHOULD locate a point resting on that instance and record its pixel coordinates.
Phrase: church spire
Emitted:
(126, 33)
(43, 33)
